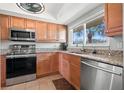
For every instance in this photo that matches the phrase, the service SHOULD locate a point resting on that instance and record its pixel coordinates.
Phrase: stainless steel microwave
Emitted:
(22, 34)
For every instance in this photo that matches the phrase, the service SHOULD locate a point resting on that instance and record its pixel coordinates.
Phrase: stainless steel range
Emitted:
(20, 64)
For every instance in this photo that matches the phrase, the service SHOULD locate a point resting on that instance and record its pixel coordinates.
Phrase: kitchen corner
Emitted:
(84, 53)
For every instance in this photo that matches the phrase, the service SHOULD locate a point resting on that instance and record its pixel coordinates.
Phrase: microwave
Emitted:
(22, 35)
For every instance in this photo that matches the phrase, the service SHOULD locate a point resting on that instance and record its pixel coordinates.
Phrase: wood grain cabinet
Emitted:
(113, 19)
(2, 71)
(62, 33)
(75, 71)
(41, 31)
(43, 64)
(52, 32)
(45, 32)
(30, 24)
(17, 22)
(64, 66)
(54, 62)
(69, 68)
(4, 27)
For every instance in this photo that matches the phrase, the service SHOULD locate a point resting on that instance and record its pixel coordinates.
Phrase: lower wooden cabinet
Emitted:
(64, 66)
(43, 64)
(69, 68)
(2, 71)
(54, 62)
(66, 70)
(47, 63)
(75, 76)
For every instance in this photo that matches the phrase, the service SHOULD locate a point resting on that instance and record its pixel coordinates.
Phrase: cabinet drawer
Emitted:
(43, 56)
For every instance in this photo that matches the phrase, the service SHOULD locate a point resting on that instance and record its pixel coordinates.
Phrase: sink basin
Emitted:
(76, 52)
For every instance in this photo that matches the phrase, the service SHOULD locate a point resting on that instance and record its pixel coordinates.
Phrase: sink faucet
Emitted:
(94, 50)
(83, 50)
(109, 49)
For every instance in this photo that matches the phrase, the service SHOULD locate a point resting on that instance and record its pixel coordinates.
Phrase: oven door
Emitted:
(20, 66)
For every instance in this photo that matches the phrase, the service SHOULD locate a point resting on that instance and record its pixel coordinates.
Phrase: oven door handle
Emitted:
(21, 56)
(101, 68)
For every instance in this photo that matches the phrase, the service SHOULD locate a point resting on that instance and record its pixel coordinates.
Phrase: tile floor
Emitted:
(44, 83)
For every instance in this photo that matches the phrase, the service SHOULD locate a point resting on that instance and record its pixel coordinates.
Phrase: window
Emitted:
(95, 32)
(78, 36)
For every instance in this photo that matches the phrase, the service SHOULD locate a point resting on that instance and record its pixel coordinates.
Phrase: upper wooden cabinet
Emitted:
(45, 32)
(41, 31)
(17, 22)
(52, 32)
(4, 27)
(62, 33)
(30, 24)
(113, 19)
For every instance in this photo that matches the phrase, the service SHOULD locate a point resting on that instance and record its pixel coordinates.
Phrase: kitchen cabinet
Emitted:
(17, 22)
(43, 64)
(75, 71)
(69, 68)
(41, 31)
(2, 71)
(4, 27)
(52, 32)
(45, 32)
(47, 63)
(64, 66)
(54, 62)
(113, 19)
(30, 24)
(62, 33)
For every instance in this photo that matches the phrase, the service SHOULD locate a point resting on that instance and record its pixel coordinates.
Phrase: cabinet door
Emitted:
(75, 76)
(55, 62)
(43, 64)
(3, 71)
(113, 19)
(17, 22)
(4, 27)
(75, 71)
(66, 70)
(60, 63)
(41, 31)
(52, 32)
(62, 33)
(30, 24)
(64, 66)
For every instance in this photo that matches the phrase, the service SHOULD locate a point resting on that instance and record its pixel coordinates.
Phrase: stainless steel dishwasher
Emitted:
(96, 75)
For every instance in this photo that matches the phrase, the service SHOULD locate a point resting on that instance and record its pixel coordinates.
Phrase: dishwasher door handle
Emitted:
(100, 68)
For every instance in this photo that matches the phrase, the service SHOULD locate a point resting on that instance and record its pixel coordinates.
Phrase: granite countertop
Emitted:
(113, 59)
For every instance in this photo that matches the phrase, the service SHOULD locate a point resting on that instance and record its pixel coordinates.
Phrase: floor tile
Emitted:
(44, 83)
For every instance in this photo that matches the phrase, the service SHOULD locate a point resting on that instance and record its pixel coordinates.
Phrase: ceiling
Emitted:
(61, 13)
